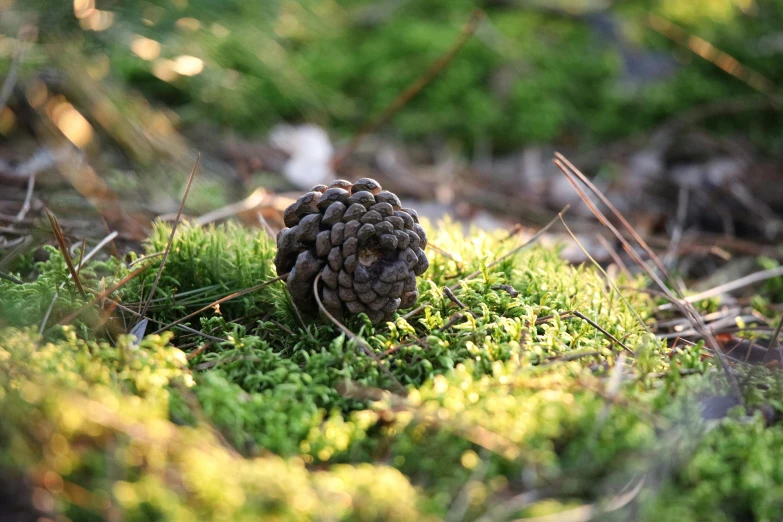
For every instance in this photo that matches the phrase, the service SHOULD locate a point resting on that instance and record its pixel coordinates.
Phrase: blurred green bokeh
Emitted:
(582, 72)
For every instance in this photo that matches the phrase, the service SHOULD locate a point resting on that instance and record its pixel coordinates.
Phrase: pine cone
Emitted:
(367, 248)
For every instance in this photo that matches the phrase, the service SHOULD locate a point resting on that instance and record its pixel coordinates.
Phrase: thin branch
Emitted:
(408, 94)
(454, 299)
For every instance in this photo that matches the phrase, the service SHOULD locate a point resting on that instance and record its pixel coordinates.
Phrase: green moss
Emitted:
(511, 399)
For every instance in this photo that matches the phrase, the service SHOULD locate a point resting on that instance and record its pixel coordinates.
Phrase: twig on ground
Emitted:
(171, 239)
(453, 298)
(103, 295)
(195, 353)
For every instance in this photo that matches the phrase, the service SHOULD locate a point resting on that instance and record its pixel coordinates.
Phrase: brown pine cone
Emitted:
(367, 248)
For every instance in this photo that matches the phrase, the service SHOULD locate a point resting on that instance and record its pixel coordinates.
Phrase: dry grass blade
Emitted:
(572, 174)
(366, 348)
(444, 253)
(598, 327)
(742, 282)
(28, 199)
(499, 260)
(58, 234)
(180, 326)
(712, 54)
(408, 94)
(221, 301)
(641, 242)
(81, 257)
(606, 276)
(171, 238)
(103, 295)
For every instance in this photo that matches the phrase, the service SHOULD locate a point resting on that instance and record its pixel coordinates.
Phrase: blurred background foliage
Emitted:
(581, 72)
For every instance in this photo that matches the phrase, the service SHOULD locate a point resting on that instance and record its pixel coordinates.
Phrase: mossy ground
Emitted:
(289, 421)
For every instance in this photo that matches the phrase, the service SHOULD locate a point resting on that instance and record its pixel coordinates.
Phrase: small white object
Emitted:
(310, 153)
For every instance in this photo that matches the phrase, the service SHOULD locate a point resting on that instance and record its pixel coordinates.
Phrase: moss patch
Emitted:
(259, 415)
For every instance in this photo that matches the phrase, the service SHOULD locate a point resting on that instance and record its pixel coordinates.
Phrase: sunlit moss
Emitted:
(291, 421)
